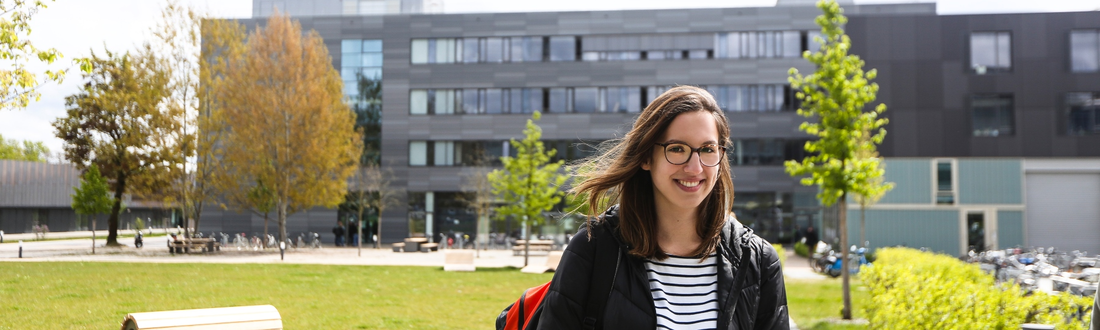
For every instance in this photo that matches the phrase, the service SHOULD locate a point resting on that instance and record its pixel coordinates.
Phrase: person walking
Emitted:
(811, 239)
(338, 231)
(353, 233)
(683, 261)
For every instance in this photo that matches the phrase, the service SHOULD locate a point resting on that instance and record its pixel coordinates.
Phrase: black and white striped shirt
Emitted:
(685, 292)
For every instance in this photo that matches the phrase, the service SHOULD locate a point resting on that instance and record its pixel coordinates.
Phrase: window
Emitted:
(992, 115)
(585, 100)
(418, 102)
(418, 153)
(420, 51)
(494, 101)
(944, 181)
(561, 100)
(990, 52)
(765, 152)
(469, 50)
(622, 99)
(492, 50)
(1083, 113)
(1084, 49)
(445, 153)
(469, 101)
(563, 49)
(360, 63)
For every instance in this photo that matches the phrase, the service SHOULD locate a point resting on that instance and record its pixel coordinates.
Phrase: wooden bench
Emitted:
(193, 244)
(428, 247)
(263, 317)
(458, 260)
(536, 246)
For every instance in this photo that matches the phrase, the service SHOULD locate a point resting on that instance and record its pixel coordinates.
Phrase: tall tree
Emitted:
(835, 95)
(529, 184)
(19, 85)
(31, 151)
(193, 48)
(288, 124)
(372, 190)
(117, 121)
(92, 197)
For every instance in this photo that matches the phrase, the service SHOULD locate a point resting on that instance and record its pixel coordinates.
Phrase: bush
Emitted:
(918, 290)
(802, 249)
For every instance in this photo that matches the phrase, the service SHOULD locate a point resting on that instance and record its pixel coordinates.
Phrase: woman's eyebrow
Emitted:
(679, 141)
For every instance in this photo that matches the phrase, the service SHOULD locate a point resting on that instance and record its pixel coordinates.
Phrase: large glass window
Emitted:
(361, 73)
(992, 115)
(560, 100)
(1084, 49)
(420, 52)
(470, 101)
(492, 50)
(418, 102)
(765, 152)
(622, 99)
(990, 51)
(563, 49)
(470, 50)
(1083, 113)
(586, 100)
(418, 153)
(494, 101)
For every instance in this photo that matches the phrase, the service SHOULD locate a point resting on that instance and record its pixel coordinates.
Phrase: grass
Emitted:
(816, 304)
(99, 295)
(71, 295)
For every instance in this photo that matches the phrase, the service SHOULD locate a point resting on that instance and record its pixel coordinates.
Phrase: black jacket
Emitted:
(751, 294)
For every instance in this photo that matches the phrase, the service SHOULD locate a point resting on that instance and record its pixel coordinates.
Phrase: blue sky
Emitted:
(75, 27)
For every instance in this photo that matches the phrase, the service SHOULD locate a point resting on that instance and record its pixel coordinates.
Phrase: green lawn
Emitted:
(68, 295)
(815, 305)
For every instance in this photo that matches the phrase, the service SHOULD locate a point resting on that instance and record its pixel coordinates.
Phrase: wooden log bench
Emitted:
(536, 247)
(264, 317)
(188, 245)
(429, 247)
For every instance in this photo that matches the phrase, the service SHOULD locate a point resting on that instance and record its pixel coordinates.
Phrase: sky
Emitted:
(76, 27)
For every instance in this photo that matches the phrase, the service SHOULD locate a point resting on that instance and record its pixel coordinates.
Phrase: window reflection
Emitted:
(1083, 113)
(1085, 50)
(992, 115)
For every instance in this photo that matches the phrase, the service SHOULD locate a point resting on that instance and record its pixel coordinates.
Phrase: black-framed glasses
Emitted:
(677, 153)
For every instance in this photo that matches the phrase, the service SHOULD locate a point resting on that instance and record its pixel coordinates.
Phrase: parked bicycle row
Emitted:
(1042, 269)
(827, 261)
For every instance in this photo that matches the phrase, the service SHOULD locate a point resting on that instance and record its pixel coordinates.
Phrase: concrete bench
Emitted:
(263, 317)
(398, 247)
(536, 247)
(552, 260)
(428, 247)
(458, 260)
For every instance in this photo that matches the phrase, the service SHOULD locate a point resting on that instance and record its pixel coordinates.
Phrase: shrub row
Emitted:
(802, 249)
(921, 290)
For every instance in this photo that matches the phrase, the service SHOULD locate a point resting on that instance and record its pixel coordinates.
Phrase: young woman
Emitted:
(679, 259)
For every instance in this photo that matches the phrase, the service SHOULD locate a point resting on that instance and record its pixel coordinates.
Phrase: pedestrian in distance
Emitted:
(338, 231)
(811, 239)
(353, 233)
(681, 259)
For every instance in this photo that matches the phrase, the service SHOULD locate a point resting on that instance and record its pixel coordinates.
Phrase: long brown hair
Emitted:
(616, 175)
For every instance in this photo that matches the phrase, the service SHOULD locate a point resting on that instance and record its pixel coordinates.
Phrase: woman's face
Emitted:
(682, 188)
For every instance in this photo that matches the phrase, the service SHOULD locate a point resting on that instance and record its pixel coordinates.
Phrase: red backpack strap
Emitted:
(519, 314)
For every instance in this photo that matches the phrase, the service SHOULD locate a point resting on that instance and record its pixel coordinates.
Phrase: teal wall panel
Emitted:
(990, 181)
(937, 230)
(912, 179)
(1010, 229)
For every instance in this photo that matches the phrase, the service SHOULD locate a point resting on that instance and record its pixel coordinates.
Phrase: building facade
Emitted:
(1009, 103)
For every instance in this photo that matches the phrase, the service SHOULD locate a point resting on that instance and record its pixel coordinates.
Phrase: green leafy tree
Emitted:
(31, 151)
(18, 85)
(874, 191)
(118, 121)
(92, 197)
(529, 184)
(835, 95)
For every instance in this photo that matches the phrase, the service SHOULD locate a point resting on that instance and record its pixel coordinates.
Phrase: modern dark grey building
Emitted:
(994, 138)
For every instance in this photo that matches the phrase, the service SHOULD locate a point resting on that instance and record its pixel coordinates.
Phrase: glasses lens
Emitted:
(677, 153)
(710, 155)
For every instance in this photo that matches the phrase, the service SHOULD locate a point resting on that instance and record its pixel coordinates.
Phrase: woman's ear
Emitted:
(645, 165)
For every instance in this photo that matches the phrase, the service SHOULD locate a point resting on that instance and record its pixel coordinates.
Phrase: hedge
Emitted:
(920, 290)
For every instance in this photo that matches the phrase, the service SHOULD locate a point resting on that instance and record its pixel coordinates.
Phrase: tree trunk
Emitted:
(527, 239)
(265, 225)
(378, 228)
(862, 225)
(846, 312)
(112, 222)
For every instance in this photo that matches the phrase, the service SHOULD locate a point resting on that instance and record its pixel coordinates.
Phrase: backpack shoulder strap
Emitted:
(605, 267)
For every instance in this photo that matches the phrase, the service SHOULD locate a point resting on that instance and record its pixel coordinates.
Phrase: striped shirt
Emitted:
(685, 292)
